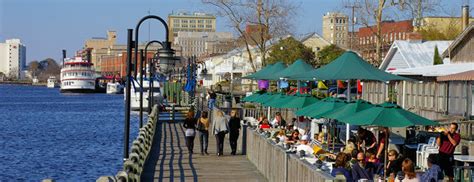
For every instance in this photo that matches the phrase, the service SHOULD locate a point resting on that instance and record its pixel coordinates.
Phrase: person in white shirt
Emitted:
(304, 146)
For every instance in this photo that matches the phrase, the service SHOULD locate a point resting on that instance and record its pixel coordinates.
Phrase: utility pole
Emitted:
(353, 7)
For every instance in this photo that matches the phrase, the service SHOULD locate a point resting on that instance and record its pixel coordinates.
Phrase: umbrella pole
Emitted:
(348, 100)
(385, 156)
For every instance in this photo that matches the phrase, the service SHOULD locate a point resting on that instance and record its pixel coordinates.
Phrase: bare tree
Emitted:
(271, 18)
(34, 68)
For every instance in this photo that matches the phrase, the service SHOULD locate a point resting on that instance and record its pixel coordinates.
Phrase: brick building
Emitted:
(116, 65)
(391, 31)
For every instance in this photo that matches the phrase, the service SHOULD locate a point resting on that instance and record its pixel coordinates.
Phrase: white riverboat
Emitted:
(77, 75)
(114, 88)
(52, 82)
(135, 93)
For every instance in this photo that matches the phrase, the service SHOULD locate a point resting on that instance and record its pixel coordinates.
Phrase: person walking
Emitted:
(234, 127)
(220, 128)
(203, 128)
(212, 99)
(190, 125)
(447, 142)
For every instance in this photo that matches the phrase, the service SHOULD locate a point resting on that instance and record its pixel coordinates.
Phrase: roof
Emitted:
(436, 70)
(463, 76)
(458, 40)
(313, 35)
(408, 54)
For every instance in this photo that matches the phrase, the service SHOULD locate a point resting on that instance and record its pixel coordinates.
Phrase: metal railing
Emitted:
(277, 165)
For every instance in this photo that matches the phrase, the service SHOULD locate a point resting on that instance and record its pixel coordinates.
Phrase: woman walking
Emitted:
(219, 129)
(203, 127)
(234, 127)
(190, 125)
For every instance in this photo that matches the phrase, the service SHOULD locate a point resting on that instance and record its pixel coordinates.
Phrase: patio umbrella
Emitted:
(297, 102)
(259, 72)
(349, 109)
(299, 66)
(264, 98)
(270, 70)
(387, 115)
(254, 95)
(306, 111)
(348, 66)
(277, 98)
(325, 107)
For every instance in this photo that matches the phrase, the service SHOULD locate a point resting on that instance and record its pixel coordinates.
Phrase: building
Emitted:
(12, 58)
(405, 54)
(462, 49)
(187, 22)
(336, 29)
(99, 46)
(315, 42)
(116, 65)
(391, 31)
(442, 23)
(203, 43)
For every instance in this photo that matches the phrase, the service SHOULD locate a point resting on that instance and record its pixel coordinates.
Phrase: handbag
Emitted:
(200, 126)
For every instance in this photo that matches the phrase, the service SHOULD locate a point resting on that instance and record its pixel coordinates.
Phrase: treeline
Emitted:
(44, 69)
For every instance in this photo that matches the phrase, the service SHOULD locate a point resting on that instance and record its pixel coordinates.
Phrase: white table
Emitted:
(464, 158)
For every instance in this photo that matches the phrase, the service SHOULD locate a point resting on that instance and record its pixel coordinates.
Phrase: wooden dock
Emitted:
(170, 161)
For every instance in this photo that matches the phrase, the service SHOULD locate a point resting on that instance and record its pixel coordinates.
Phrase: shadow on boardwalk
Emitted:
(170, 160)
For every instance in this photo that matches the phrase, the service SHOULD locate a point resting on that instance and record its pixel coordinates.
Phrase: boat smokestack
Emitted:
(465, 16)
(64, 55)
(89, 56)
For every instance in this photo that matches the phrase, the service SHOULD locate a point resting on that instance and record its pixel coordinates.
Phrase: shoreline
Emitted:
(21, 83)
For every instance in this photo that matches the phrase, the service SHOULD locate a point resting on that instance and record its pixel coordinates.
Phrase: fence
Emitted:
(287, 114)
(277, 165)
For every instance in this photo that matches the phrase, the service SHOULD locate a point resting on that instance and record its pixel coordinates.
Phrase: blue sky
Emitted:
(48, 26)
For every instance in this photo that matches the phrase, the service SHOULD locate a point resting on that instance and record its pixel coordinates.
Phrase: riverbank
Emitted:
(21, 83)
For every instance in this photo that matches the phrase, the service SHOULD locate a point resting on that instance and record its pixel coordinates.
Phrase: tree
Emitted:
(328, 54)
(34, 68)
(430, 32)
(372, 11)
(289, 50)
(437, 59)
(271, 17)
(48, 67)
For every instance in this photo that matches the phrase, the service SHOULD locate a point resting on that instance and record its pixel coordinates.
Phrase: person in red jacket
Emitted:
(447, 142)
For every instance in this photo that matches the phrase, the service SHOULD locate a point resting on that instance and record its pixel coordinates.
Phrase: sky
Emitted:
(46, 27)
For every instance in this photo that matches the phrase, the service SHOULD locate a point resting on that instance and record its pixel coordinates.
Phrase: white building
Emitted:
(201, 43)
(12, 58)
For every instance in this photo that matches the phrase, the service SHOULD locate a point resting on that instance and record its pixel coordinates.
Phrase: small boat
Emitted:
(52, 82)
(135, 93)
(114, 88)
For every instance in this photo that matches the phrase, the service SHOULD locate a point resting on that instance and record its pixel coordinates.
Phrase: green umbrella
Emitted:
(270, 70)
(259, 72)
(348, 66)
(350, 109)
(265, 98)
(298, 101)
(277, 100)
(299, 66)
(316, 106)
(254, 95)
(387, 115)
(327, 106)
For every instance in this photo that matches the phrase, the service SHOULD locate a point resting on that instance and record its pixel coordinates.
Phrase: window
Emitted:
(192, 21)
(208, 26)
(201, 26)
(200, 21)
(208, 21)
(175, 21)
(184, 21)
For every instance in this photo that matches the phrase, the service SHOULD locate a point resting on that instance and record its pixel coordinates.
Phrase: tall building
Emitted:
(336, 29)
(391, 31)
(187, 22)
(12, 58)
(99, 46)
(203, 43)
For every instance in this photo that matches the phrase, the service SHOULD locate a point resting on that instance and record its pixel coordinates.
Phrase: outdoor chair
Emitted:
(423, 151)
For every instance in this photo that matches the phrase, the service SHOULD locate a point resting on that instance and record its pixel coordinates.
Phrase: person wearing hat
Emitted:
(304, 146)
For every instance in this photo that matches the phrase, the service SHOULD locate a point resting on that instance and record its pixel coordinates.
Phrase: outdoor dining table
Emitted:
(460, 160)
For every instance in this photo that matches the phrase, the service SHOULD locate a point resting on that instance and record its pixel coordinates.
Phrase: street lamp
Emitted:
(151, 70)
(165, 53)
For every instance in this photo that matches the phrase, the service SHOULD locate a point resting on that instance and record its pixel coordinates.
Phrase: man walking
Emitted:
(447, 142)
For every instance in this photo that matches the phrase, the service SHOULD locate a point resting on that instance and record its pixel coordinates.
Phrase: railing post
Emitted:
(244, 138)
(172, 113)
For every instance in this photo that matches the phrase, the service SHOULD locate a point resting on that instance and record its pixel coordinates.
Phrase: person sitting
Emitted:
(277, 121)
(394, 163)
(361, 169)
(341, 166)
(261, 118)
(294, 137)
(281, 136)
(371, 158)
(304, 146)
(434, 173)
(265, 124)
(409, 169)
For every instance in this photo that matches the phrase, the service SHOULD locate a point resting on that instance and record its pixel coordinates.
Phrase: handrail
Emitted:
(141, 146)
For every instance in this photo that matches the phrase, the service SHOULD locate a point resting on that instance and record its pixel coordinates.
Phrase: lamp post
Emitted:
(151, 70)
(166, 55)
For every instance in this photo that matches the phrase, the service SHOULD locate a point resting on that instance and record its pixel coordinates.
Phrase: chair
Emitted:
(424, 150)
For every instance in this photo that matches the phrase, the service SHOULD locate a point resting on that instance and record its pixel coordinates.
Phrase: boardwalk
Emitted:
(170, 160)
